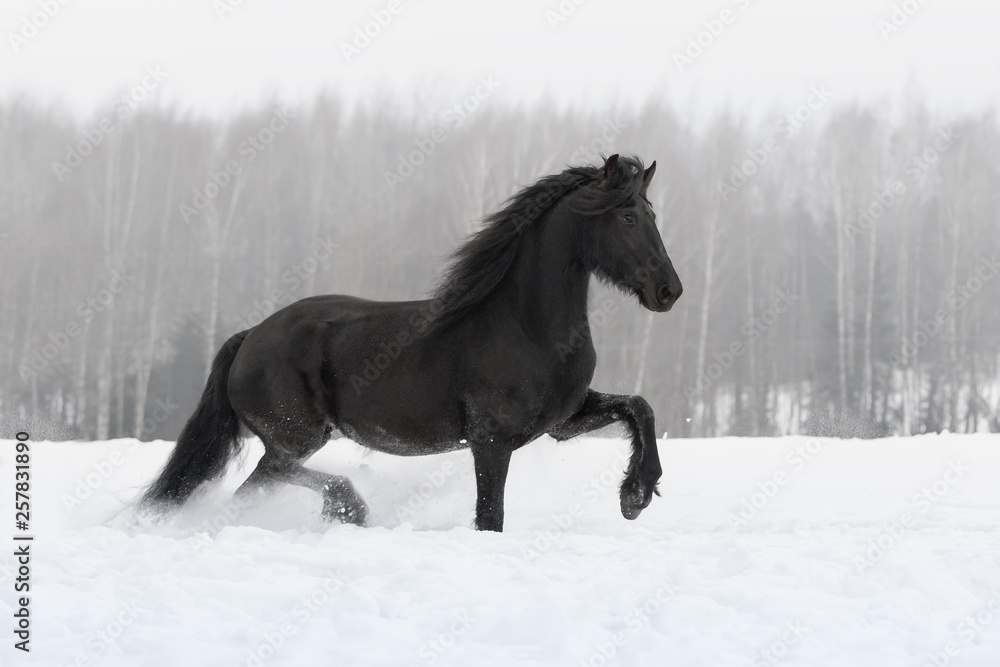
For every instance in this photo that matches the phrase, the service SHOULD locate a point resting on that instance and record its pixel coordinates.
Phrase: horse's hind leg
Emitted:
(340, 500)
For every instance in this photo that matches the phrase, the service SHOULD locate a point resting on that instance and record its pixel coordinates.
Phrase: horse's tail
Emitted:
(208, 441)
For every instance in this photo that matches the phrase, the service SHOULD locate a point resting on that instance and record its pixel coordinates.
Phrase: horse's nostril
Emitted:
(664, 294)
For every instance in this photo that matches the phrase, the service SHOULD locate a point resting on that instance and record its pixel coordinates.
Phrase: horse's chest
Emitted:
(522, 388)
(562, 386)
(576, 365)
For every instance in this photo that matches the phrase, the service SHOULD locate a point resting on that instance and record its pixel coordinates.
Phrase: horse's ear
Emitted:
(647, 176)
(610, 169)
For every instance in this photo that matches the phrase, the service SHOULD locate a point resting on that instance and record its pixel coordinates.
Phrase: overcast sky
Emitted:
(769, 53)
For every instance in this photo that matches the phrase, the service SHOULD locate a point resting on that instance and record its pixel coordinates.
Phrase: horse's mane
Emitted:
(480, 264)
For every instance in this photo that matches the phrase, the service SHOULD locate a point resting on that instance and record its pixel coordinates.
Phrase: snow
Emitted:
(882, 552)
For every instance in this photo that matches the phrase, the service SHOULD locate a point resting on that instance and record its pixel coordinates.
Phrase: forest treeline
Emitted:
(839, 261)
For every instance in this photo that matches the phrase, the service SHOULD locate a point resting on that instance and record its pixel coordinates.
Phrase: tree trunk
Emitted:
(80, 409)
(682, 409)
(902, 285)
(144, 365)
(706, 301)
(916, 378)
(751, 348)
(841, 312)
(868, 396)
(219, 229)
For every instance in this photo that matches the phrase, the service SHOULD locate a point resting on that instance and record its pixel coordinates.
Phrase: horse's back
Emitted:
(314, 330)
(343, 308)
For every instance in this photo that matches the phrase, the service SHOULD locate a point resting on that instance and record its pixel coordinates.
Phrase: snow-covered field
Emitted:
(785, 551)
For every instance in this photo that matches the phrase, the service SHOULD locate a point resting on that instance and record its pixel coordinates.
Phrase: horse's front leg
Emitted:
(492, 460)
(599, 410)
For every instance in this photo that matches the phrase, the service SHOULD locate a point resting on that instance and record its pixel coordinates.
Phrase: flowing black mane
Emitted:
(480, 264)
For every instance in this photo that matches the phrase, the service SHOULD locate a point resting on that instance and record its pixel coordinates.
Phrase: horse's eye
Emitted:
(628, 220)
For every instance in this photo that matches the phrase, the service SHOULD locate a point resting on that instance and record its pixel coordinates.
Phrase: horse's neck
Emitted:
(546, 285)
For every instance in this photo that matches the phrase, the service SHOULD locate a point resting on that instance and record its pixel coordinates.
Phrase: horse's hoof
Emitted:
(634, 499)
(632, 504)
(355, 513)
(631, 512)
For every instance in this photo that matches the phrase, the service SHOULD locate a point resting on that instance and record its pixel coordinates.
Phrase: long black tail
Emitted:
(208, 441)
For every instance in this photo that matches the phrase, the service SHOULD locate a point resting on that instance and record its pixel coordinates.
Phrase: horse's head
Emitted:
(624, 245)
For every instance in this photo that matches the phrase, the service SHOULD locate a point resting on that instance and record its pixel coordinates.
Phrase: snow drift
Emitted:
(790, 551)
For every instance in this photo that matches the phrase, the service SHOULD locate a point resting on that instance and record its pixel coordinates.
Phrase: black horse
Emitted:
(499, 356)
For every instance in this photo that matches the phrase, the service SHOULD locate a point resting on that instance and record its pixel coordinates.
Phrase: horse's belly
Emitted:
(374, 436)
